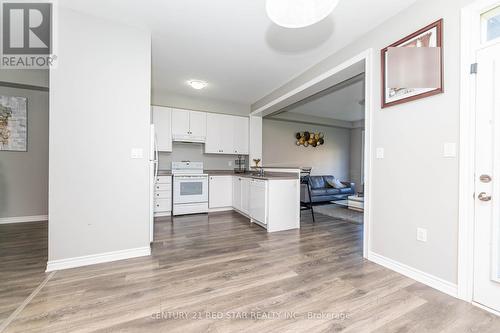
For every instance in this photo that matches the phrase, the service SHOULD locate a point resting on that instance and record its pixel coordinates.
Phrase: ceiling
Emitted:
(232, 44)
(342, 102)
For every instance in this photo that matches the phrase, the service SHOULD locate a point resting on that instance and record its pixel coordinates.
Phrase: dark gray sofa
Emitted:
(321, 191)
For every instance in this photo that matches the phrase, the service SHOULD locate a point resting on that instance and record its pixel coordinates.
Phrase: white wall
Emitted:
(164, 98)
(99, 109)
(280, 149)
(414, 186)
(196, 152)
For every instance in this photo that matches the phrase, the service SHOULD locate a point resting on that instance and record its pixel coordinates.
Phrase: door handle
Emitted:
(484, 197)
(485, 178)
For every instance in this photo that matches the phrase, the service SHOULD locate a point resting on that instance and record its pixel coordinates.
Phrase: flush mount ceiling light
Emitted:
(197, 84)
(299, 13)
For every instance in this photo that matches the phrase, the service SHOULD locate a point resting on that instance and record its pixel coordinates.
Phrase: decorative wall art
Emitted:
(13, 123)
(307, 139)
(429, 37)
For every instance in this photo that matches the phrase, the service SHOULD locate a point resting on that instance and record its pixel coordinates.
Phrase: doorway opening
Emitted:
(325, 126)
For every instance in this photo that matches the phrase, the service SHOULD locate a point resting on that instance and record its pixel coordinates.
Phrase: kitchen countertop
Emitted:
(277, 167)
(164, 172)
(267, 175)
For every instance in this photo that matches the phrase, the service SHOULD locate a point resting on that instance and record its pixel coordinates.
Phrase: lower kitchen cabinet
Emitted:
(258, 201)
(245, 195)
(163, 196)
(270, 203)
(241, 194)
(220, 192)
(237, 193)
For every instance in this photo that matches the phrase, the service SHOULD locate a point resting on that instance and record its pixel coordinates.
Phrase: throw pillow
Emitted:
(335, 183)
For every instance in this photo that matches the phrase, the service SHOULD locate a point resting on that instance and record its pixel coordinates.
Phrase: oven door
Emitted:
(190, 189)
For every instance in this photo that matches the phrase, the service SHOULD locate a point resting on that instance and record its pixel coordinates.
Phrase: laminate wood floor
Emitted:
(218, 273)
(23, 257)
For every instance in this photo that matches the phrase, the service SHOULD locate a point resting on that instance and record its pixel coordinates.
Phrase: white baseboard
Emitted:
(485, 308)
(415, 274)
(223, 209)
(162, 214)
(56, 265)
(22, 219)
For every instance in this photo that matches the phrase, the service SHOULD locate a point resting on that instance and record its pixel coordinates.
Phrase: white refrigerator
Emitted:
(153, 173)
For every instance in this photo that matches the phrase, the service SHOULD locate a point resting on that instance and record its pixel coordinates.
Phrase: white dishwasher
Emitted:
(258, 201)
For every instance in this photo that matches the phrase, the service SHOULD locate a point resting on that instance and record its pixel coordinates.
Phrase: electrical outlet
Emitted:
(450, 149)
(422, 234)
(230, 163)
(136, 153)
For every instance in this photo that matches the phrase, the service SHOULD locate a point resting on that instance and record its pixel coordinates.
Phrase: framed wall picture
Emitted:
(13, 123)
(429, 36)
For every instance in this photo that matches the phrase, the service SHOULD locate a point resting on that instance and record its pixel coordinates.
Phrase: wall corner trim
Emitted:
(415, 274)
(23, 219)
(56, 265)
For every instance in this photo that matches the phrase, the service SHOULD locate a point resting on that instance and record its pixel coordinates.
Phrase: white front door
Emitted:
(487, 179)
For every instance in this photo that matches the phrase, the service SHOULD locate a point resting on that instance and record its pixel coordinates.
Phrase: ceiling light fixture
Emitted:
(197, 84)
(299, 13)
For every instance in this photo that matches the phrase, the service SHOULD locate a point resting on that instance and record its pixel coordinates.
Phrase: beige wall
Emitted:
(24, 176)
(355, 157)
(35, 77)
(414, 186)
(279, 148)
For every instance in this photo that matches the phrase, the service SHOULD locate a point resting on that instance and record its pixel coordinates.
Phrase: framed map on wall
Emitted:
(13, 123)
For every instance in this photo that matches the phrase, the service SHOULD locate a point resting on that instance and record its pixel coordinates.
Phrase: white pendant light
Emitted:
(299, 13)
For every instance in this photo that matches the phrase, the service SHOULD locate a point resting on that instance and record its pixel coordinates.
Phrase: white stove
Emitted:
(190, 194)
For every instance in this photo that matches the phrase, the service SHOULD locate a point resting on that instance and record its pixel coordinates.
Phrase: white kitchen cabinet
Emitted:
(219, 134)
(227, 134)
(237, 193)
(189, 126)
(220, 192)
(245, 195)
(163, 196)
(180, 123)
(258, 201)
(162, 119)
(270, 203)
(198, 124)
(240, 135)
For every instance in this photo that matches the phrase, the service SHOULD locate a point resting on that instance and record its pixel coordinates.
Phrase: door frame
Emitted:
(470, 37)
(367, 57)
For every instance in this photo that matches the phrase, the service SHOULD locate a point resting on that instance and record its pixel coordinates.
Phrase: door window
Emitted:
(490, 24)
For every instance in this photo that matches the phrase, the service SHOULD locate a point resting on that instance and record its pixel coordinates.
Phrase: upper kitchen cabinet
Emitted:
(219, 134)
(162, 119)
(240, 135)
(189, 126)
(226, 134)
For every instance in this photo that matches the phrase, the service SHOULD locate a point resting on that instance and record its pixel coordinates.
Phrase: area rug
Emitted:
(340, 213)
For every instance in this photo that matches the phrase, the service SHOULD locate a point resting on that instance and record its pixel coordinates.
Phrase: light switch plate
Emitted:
(380, 153)
(450, 149)
(230, 163)
(136, 153)
(422, 234)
